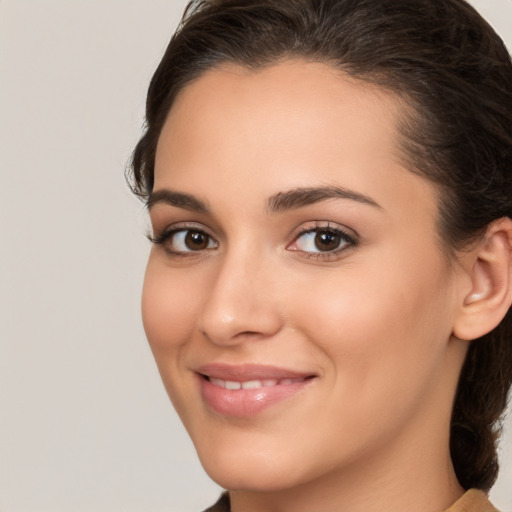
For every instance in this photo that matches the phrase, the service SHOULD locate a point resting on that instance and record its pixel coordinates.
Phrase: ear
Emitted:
(489, 268)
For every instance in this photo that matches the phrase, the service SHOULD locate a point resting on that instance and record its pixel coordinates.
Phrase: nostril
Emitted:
(247, 334)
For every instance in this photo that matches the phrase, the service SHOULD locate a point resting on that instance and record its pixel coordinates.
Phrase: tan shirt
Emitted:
(473, 501)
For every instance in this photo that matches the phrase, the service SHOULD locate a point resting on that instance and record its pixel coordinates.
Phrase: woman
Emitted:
(328, 294)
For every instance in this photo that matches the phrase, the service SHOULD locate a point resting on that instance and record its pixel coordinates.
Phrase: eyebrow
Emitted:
(178, 199)
(282, 201)
(299, 197)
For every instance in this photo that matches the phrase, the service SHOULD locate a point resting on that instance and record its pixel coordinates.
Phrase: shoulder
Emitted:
(473, 501)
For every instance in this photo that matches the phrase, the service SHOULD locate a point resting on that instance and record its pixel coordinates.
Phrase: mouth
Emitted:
(253, 384)
(247, 390)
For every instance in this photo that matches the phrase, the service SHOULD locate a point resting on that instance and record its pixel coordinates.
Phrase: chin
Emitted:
(250, 472)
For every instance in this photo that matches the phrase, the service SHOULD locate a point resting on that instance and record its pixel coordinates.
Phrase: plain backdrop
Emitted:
(85, 424)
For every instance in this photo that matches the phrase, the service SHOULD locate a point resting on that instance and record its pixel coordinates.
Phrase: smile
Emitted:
(248, 390)
(253, 384)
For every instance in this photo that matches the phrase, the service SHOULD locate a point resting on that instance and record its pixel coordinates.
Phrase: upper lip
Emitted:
(246, 372)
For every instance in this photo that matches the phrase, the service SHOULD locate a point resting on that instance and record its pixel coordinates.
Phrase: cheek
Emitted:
(168, 308)
(382, 350)
(379, 329)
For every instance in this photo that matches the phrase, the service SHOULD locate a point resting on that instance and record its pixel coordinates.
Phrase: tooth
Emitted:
(218, 382)
(251, 384)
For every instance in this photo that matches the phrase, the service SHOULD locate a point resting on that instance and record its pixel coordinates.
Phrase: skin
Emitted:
(374, 322)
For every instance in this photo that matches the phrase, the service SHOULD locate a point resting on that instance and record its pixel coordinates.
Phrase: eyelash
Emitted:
(319, 227)
(167, 234)
(349, 241)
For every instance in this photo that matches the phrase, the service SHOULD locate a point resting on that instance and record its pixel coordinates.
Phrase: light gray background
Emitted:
(85, 424)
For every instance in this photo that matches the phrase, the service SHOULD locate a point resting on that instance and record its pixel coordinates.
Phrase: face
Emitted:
(297, 301)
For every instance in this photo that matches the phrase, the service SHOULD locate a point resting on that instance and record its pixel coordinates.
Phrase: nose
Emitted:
(241, 303)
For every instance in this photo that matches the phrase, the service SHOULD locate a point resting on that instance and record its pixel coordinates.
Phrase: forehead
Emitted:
(293, 93)
(291, 124)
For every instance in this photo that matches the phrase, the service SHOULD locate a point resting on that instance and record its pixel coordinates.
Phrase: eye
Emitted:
(191, 240)
(182, 241)
(322, 241)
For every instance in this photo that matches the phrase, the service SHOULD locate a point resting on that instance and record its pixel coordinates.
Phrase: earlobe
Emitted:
(489, 268)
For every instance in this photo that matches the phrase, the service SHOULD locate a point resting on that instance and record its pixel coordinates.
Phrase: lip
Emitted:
(248, 402)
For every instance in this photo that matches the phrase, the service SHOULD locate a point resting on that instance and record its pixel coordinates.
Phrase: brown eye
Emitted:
(189, 240)
(327, 240)
(322, 240)
(196, 240)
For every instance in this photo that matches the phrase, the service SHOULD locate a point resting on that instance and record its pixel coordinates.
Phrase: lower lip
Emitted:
(243, 403)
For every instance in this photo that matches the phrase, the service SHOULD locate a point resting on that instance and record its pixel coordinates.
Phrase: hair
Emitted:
(455, 75)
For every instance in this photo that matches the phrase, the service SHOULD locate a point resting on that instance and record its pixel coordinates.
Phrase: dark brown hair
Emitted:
(456, 77)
